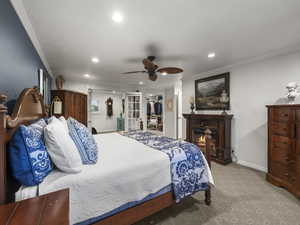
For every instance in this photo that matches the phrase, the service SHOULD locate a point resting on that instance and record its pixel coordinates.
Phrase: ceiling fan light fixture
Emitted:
(86, 75)
(211, 55)
(95, 60)
(117, 17)
(164, 73)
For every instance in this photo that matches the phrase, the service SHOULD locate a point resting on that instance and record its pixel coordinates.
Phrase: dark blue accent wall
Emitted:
(19, 61)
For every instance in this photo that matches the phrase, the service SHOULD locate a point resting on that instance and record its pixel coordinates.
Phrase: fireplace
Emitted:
(198, 137)
(219, 125)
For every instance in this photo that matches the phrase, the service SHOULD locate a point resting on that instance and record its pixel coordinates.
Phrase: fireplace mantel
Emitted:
(220, 125)
(213, 116)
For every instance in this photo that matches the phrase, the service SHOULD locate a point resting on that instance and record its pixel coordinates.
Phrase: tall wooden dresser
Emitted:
(284, 147)
(74, 104)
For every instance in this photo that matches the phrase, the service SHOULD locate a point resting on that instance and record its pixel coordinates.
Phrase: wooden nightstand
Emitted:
(49, 209)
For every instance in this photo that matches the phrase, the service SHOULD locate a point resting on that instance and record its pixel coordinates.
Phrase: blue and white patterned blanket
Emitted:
(189, 172)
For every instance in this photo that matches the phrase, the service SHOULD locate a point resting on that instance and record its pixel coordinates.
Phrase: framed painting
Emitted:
(44, 85)
(95, 106)
(169, 104)
(208, 92)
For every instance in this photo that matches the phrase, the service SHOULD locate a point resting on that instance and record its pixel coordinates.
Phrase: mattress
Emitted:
(127, 206)
(127, 171)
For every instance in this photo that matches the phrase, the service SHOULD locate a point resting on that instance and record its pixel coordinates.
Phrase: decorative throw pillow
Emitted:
(29, 159)
(64, 122)
(84, 141)
(61, 148)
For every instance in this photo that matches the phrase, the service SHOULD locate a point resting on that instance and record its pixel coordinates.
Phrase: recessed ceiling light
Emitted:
(95, 60)
(86, 75)
(164, 73)
(141, 83)
(117, 17)
(114, 92)
(211, 55)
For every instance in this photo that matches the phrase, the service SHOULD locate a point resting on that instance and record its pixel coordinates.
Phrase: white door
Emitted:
(133, 110)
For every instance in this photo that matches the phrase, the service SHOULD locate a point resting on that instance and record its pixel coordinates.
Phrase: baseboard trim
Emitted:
(252, 165)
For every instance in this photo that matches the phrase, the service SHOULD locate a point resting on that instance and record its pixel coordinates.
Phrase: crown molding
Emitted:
(22, 14)
(280, 52)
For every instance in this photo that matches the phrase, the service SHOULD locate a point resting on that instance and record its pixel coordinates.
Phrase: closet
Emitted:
(154, 112)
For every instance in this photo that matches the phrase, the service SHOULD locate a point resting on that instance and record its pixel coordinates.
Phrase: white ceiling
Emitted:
(70, 32)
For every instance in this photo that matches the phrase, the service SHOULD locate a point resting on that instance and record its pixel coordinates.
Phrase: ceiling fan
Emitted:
(152, 69)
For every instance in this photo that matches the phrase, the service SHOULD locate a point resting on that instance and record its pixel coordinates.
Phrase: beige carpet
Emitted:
(241, 197)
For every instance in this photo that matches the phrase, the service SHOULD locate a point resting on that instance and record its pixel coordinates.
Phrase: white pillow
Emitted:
(61, 147)
(64, 122)
(61, 119)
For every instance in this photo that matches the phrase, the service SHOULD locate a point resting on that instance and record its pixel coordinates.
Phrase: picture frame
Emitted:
(95, 106)
(208, 92)
(169, 105)
(44, 85)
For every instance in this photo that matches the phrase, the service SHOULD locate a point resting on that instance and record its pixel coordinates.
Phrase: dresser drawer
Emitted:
(297, 112)
(279, 155)
(279, 170)
(282, 115)
(280, 149)
(292, 171)
(297, 150)
(281, 142)
(297, 131)
(282, 129)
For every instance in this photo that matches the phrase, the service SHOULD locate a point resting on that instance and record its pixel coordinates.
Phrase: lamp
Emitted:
(192, 103)
(56, 106)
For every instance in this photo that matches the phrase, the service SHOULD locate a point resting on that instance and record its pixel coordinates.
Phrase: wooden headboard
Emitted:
(29, 108)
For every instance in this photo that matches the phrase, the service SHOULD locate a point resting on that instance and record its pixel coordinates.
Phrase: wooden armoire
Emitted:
(284, 147)
(74, 104)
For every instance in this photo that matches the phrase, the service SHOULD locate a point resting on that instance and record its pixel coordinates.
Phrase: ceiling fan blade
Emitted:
(131, 72)
(149, 65)
(170, 70)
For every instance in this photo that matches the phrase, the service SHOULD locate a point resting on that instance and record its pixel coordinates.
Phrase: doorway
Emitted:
(154, 113)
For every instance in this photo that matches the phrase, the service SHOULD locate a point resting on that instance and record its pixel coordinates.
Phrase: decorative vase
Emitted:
(192, 108)
(192, 103)
(292, 92)
(224, 99)
(59, 82)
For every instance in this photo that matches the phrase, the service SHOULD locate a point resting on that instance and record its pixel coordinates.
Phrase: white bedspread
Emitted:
(126, 171)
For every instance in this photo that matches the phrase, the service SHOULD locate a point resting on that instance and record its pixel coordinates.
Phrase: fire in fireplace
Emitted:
(201, 141)
(199, 138)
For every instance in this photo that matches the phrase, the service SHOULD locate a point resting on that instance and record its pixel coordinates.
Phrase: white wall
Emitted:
(252, 86)
(85, 86)
(170, 117)
(100, 120)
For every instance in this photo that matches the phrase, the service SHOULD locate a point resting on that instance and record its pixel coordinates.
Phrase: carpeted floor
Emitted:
(241, 197)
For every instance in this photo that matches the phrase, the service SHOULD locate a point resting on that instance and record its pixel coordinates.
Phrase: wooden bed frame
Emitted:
(29, 108)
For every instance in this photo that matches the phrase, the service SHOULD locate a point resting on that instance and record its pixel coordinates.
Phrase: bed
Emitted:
(119, 189)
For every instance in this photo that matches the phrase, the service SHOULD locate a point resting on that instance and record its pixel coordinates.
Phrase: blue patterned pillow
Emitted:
(29, 159)
(84, 141)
